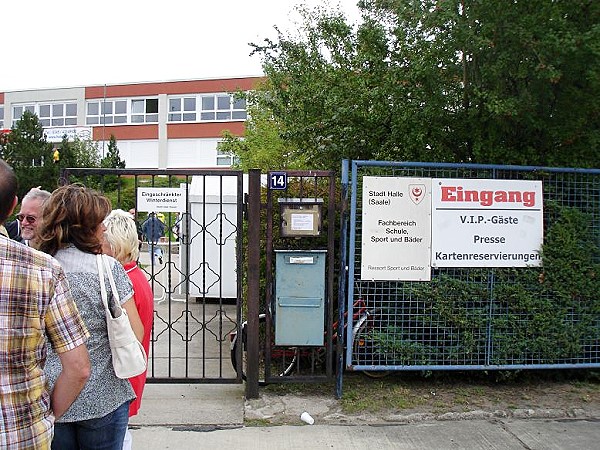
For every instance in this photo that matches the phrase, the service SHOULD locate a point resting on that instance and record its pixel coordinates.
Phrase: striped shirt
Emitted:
(36, 308)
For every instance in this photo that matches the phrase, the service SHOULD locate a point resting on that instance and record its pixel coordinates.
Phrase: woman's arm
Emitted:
(73, 376)
(134, 318)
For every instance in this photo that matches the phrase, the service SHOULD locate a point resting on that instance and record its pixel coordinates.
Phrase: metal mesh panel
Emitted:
(482, 318)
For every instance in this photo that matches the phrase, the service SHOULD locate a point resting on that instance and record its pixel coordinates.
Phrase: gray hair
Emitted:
(37, 194)
(121, 234)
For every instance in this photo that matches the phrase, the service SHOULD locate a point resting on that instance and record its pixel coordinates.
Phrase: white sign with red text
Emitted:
(396, 229)
(486, 223)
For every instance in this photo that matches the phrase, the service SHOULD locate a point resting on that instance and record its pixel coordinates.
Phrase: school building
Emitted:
(173, 124)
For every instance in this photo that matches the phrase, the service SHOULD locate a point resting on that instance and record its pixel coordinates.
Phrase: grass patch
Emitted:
(440, 392)
(379, 395)
(257, 423)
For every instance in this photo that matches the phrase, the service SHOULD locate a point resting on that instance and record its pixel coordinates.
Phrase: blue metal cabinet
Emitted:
(299, 297)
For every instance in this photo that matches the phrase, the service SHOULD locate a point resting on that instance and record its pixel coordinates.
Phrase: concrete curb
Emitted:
(286, 410)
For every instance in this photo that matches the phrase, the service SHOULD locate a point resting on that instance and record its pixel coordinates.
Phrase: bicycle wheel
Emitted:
(283, 360)
(364, 347)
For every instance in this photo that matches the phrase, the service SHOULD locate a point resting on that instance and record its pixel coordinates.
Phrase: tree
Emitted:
(30, 155)
(487, 82)
(262, 146)
(326, 98)
(517, 80)
(79, 153)
(85, 153)
(113, 158)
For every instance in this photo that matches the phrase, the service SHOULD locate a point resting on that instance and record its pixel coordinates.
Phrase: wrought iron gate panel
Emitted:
(197, 286)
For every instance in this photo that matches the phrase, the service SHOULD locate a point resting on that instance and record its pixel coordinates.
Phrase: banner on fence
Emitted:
(486, 223)
(396, 229)
(410, 225)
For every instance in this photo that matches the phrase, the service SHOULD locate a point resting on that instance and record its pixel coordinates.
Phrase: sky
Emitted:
(68, 43)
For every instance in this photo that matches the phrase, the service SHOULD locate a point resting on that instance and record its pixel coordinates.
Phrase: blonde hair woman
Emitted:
(122, 243)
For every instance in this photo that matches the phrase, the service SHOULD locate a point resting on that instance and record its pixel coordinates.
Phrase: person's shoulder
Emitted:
(28, 255)
(12, 228)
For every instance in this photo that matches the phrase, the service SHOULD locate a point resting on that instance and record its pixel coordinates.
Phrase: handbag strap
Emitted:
(113, 286)
(101, 261)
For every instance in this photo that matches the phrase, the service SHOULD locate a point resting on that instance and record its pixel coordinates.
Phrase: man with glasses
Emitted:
(31, 210)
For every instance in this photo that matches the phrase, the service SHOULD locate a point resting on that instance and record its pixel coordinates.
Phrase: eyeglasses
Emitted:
(28, 218)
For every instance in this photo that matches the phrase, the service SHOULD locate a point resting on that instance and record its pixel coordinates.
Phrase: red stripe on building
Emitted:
(172, 88)
(126, 132)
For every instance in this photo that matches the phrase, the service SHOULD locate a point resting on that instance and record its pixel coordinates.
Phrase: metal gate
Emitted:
(197, 283)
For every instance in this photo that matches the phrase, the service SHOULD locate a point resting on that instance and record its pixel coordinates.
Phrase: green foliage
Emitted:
(554, 313)
(112, 160)
(30, 155)
(121, 193)
(454, 81)
(262, 146)
(78, 153)
(85, 153)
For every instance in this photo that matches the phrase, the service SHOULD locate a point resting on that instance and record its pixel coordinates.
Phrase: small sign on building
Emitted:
(56, 134)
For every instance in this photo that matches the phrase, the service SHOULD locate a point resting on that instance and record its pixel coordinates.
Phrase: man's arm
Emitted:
(75, 373)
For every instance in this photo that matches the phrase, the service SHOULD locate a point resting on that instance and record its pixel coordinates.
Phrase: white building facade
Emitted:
(174, 124)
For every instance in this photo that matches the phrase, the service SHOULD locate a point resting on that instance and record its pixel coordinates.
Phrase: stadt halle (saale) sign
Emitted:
(410, 225)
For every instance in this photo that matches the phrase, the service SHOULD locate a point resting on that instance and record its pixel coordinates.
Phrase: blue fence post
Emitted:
(343, 277)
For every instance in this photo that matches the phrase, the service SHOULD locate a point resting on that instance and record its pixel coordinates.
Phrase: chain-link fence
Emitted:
(483, 317)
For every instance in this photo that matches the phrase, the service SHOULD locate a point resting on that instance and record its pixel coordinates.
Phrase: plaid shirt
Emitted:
(35, 307)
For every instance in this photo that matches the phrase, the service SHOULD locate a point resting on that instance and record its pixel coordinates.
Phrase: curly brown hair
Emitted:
(72, 215)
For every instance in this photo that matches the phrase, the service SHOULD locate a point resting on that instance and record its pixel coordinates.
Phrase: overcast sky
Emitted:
(65, 43)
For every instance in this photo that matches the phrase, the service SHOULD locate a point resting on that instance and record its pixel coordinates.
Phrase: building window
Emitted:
(207, 108)
(217, 107)
(106, 112)
(238, 109)
(19, 110)
(182, 109)
(144, 110)
(224, 159)
(57, 114)
(49, 114)
(1, 117)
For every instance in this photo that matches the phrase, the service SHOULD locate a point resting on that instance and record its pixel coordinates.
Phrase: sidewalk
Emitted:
(208, 416)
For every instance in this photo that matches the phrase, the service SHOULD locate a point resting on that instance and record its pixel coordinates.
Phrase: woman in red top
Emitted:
(121, 242)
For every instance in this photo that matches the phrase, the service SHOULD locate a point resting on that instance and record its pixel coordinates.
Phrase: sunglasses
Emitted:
(29, 219)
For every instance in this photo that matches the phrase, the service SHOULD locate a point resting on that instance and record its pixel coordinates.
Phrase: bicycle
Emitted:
(286, 360)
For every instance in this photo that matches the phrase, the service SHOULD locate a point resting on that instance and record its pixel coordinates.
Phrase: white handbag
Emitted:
(128, 356)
